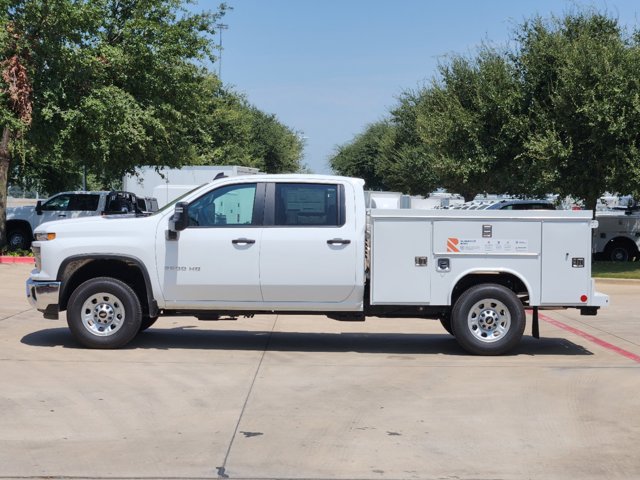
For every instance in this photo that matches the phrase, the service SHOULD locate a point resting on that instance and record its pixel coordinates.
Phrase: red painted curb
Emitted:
(9, 259)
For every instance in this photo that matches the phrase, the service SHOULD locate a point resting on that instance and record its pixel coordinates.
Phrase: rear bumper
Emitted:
(599, 300)
(44, 296)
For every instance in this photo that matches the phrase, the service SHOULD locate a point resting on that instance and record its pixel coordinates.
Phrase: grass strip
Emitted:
(628, 270)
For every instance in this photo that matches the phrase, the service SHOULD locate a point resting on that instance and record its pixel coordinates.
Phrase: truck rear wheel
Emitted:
(104, 313)
(618, 253)
(488, 320)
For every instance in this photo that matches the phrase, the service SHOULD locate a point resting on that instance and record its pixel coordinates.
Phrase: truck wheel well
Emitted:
(77, 272)
(508, 280)
(18, 223)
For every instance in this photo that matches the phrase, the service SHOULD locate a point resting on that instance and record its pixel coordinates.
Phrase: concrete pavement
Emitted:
(302, 397)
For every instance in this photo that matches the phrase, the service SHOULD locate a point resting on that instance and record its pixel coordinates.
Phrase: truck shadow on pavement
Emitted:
(390, 343)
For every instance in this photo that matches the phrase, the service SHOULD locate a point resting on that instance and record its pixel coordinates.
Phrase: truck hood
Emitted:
(20, 212)
(98, 224)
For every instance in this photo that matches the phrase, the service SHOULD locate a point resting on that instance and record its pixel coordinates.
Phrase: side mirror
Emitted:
(39, 207)
(180, 217)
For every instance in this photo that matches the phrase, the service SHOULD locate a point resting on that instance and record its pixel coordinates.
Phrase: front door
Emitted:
(216, 258)
(69, 205)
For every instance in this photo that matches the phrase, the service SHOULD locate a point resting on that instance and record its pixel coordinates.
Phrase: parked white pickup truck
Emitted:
(307, 244)
(22, 221)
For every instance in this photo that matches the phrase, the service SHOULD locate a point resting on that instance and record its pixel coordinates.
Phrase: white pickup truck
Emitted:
(307, 244)
(22, 221)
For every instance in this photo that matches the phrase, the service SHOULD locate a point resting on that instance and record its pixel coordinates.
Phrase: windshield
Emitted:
(173, 202)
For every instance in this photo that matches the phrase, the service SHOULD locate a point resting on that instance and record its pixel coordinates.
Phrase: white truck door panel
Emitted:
(401, 261)
(206, 265)
(309, 252)
(298, 265)
(216, 258)
(567, 257)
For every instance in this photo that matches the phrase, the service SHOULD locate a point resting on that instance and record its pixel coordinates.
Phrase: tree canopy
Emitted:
(556, 113)
(109, 85)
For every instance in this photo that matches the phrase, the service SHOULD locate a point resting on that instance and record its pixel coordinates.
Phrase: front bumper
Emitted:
(44, 296)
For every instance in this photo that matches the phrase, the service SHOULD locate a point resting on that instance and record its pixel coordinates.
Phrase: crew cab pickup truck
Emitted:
(22, 221)
(307, 244)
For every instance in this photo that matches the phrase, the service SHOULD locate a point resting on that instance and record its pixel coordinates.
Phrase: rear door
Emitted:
(309, 247)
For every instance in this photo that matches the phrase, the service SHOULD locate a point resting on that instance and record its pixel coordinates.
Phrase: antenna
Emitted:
(221, 27)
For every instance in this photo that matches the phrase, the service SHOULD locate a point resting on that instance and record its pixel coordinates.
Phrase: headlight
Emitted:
(43, 237)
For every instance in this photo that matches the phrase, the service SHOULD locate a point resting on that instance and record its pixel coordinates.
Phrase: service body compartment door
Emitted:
(401, 261)
(566, 262)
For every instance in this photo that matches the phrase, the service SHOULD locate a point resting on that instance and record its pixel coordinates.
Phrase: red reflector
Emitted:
(583, 298)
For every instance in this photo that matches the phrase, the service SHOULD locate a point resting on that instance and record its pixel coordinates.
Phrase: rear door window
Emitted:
(308, 204)
(83, 202)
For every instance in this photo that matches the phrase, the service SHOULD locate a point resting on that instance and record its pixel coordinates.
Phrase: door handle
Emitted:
(338, 241)
(62, 214)
(243, 241)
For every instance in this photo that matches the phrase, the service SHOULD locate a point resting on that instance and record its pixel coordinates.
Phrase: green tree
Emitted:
(277, 148)
(360, 158)
(470, 125)
(238, 133)
(558, 113)
(107, 84)
(405, 165)
(581, 83)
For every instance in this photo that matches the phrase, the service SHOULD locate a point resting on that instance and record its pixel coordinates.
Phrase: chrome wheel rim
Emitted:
(103, 314)
(489, 320)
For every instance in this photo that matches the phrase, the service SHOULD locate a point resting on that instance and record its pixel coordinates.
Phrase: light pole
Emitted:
(221, 27)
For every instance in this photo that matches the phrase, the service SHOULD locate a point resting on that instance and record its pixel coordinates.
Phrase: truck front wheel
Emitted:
(488, 320)
(446, 323)
(104, 313)
(18, 237)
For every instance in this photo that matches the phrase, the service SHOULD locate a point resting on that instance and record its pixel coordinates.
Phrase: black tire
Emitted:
(18, 237)
(446, 323)
(147, 322)
(488, 320)
(618, 253)
(104, 313)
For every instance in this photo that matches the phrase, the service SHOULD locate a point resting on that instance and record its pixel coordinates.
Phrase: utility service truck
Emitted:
(307, 244)
(617, 237)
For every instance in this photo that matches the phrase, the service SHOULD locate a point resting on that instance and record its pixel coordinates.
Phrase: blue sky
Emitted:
(328, 68)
